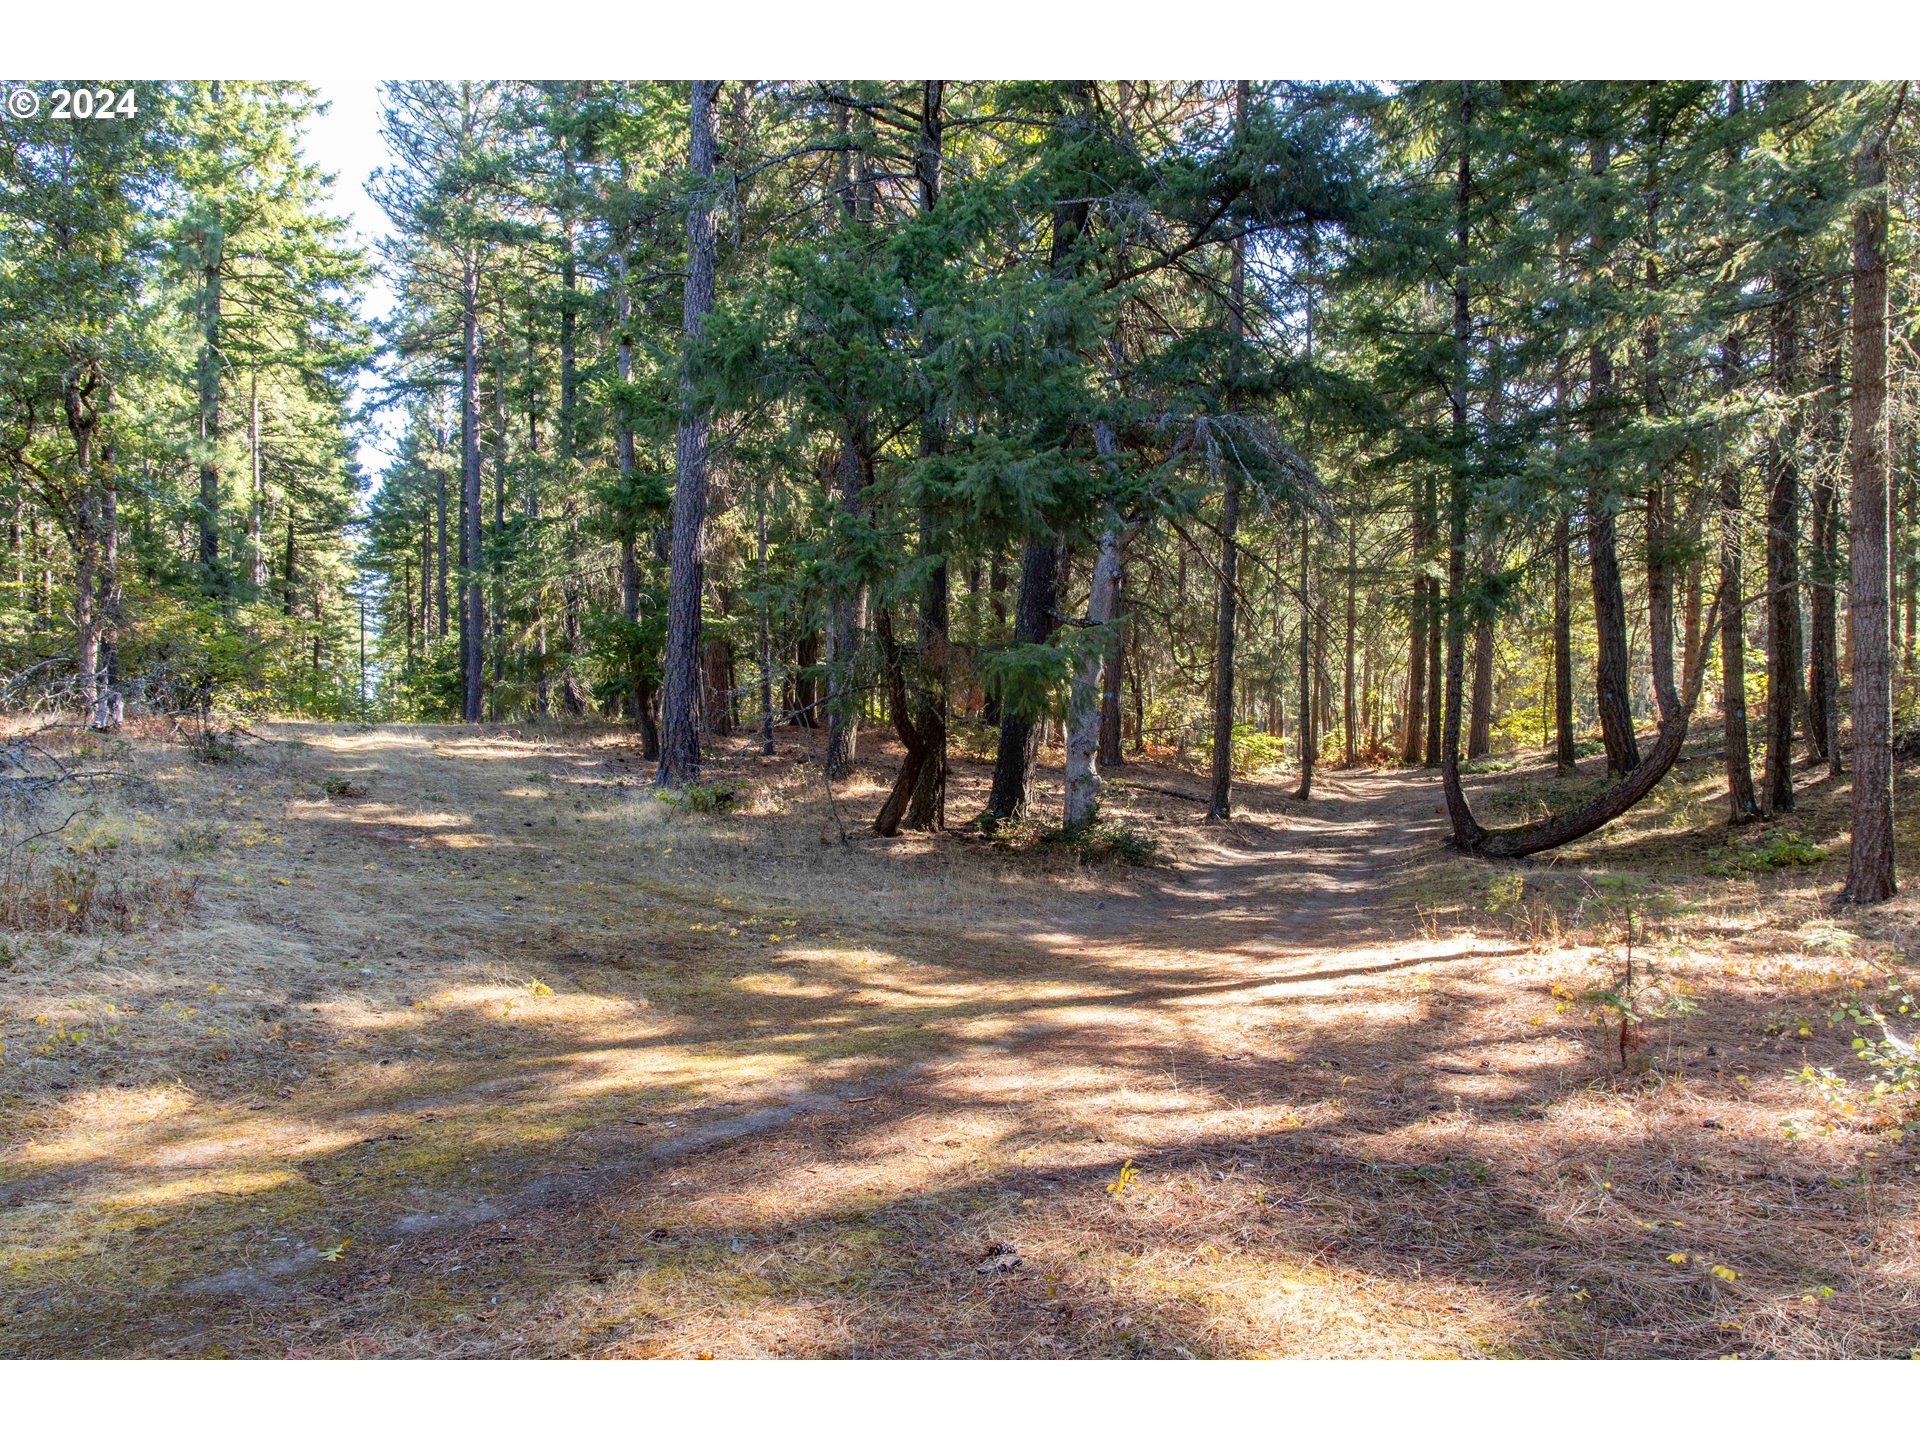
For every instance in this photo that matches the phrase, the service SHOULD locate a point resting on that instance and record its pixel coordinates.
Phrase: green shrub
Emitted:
(1769, 852)
(1098, 841)
(700, 798)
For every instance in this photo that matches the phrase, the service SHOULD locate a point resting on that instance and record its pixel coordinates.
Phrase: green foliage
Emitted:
(1097, 841)
(700, 798)
(1767, 852)
(1253, 750)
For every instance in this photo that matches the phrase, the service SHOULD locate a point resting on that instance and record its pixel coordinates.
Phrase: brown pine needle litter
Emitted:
(457, 1041)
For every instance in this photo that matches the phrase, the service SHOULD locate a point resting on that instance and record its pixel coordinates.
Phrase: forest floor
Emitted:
(456, 1041)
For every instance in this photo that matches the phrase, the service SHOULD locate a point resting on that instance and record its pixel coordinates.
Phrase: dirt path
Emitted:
(468, 1047)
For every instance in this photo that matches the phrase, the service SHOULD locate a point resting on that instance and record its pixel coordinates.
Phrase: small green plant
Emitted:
(1095, 840)
(342, 788)
(1768, 852)
(1894, 1059)
(1636, 997)
(700, 798)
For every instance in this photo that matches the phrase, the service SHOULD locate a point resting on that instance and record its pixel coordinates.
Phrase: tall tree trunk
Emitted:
(1823, 658)
(1435, 625)
(1084, 705)
(1609, 602)
(1783, 565)
(1220, 799)
(1111, 752)
(847, 620)
(1033, 623)
(207, 378)
(1693, 598)
(496, 621)
(83, 531)
(1741, 799)
(1309, 742)
(927, 809)
(1465, 832)
(1412, 746)
(679, 718)
(1823, 674)
(1564, 756)
(1348, 721)
(109, 597)
(444, 604)
(1870, 867)
(1480, 710)
(623, 463)
(572, 698)
(472, 604)
(256, 553)
(763, 637)
(1041, 562)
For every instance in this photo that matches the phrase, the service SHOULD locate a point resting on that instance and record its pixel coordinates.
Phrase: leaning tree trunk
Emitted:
(1870, 867)
(680, 700)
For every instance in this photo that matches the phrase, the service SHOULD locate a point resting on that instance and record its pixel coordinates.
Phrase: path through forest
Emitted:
(470, 1046)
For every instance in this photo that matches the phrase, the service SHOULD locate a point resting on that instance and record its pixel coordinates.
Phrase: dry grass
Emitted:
(465, 1045)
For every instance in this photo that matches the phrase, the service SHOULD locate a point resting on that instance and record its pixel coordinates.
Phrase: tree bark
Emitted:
(1870, 862)
(1226, 612)
(1084, 705)
(472, 604)
(1783, 565)
(679, 708)
(1033, 622)
(256, 553)
(1565, 759)
(1741, 799)
(1111, 752)
(1480, 711)
(1348, 720)
(1609, 603)
(1309, 745)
